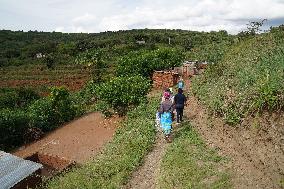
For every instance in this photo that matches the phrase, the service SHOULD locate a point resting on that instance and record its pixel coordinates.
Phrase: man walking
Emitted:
(180, 102)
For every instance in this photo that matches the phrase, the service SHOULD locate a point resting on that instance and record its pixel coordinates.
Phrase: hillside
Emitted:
(247, 81)
(20, 48)
(242, 113)
(232, 136)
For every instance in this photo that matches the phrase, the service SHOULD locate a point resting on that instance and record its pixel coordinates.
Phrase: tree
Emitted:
(94, 60)
(146, 62)
(253, 28)
(49, 60)
(121, 93)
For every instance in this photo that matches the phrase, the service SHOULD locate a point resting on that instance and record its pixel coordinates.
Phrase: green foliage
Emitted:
(8, 99)
(189, 163)
(145, 62)
(211, 52)
(13, 124)
(45, 114)
(114, 166)
(104, 108)
(94, 60)
(49, 60)
(253, 28)
(42, 115)
(50, 112)
(123, 92)
(17, 98)
(248, 80)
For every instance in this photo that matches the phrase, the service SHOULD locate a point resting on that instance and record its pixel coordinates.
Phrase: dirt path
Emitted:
(147, 175)
(256, 156)
(78, 140)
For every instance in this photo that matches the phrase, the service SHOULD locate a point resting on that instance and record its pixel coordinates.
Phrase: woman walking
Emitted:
(166, 110)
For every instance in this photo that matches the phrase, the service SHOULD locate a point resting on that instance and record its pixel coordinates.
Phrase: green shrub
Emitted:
(17, 98)
(26, 96)
(42, 115)
(62, 104)
(121, 93)
(13, 124)
(145, 62)
(48, 113)
(104, 108)
(8, 100)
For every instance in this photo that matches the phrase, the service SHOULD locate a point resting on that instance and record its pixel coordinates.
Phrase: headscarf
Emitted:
(167, 95)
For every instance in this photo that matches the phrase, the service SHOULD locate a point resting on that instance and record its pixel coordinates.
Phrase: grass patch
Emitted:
(189, 163)
(248, 80)
(113, 167)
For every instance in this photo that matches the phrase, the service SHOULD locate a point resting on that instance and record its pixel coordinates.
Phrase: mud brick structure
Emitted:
(165, 79)
(51, 164)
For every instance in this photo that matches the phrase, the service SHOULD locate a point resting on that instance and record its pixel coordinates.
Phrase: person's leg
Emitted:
(178, 114)
(181, 114)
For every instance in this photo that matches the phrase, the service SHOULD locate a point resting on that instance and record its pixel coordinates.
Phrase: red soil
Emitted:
(78, 141)
(71, 84)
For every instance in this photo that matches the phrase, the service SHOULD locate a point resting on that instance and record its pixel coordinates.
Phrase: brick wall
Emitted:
(165, 79)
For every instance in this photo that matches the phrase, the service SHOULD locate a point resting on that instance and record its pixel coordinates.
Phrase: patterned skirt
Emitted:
(166, 122)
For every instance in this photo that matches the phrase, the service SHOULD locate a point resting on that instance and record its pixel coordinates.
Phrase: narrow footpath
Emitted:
(146, 176)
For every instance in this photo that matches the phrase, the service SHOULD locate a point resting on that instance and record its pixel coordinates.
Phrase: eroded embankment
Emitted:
(77, 141)
(255, 148)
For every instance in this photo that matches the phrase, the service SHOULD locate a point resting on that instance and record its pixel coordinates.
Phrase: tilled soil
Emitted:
(78, 140)
(255, 148)
(146, 176)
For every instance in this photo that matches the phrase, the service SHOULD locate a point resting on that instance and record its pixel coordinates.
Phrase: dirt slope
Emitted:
(78, 141)
(255, 148)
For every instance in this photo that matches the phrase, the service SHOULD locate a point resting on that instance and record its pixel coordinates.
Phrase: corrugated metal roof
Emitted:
(14, 169)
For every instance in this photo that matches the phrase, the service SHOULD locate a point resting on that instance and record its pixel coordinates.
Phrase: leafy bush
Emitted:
(26, 96)
(17, 98)
(145, 62)
(49, 112)
(8, 99)
(62, 104)
(13, 124)
(104, 108)
(123, 92)
(42, 115)
(94, 60)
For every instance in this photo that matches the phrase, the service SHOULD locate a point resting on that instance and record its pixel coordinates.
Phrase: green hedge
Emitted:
(45, 114)
(13, 124)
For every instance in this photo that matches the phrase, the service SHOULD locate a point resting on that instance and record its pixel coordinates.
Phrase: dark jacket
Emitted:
(179, 100)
